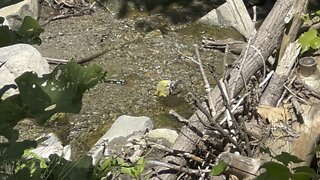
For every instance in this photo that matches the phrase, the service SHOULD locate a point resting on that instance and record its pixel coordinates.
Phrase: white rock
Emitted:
(167, 136)
(52, 145)
(233, 14)
(15, 13)
(124, 126)
(219, 17)
(18, 59)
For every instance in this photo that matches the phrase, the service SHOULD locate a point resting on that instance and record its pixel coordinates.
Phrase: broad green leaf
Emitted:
(1, 20)
(60, 91)
(63, 169)
(309, 39)
(11, 111)
(286, 158)
(7, 36)
(275, 171)
(305, 170)
(21, 174)
(301, 176)
(219, 169)
(30, 31)
(14, 150)
(4, 3)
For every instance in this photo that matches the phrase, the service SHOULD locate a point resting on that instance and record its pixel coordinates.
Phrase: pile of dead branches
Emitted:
(268, 99)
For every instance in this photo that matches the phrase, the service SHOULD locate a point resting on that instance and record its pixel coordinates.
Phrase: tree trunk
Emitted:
(266, 40)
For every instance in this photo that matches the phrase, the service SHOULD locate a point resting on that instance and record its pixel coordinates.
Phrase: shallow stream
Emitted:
(164, 51)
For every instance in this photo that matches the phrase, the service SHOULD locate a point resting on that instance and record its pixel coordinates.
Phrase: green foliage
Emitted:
(280, 170)
(40, 98)
(311, 18)
(28, 32)
(114, 166)
(309, 39)
(218, 169)
(134, 171)
(4, 3)
(275, 171)
(30, 160)
(286, 158)
(61, 168)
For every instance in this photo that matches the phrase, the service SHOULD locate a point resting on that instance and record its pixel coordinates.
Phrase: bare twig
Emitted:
(227, 105)
(241, 67)
(177, 116)
(269, 75)
(294, 95)
(225, 62)
(298, 107)
(235, 107)
(206, 82)
(64, 16)
(56, 61)
(216, 125)
(285, 91)
(178, 168)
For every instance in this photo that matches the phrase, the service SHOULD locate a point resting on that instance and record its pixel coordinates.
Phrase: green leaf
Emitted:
(140, 165)
(309, 39)
(129, 171)
(4, 3)
(30, 31)
(275, 171)
(305, 169)
(59, 91)
(11, 112)
(286, 158)
(103, 169)
(21, 174)
(14, 150)
(63, 169)
(219, 169)
(1, 20)
(7, 36)
(301, 176)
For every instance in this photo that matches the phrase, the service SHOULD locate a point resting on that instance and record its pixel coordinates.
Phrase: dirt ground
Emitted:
(162, 50)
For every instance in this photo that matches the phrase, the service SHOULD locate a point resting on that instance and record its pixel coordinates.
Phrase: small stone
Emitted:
(166, 136)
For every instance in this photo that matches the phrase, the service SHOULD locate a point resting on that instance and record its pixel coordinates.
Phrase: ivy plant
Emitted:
(28, 32)
(39, 98)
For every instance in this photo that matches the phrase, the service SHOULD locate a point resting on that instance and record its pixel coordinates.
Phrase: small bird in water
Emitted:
(166, 87)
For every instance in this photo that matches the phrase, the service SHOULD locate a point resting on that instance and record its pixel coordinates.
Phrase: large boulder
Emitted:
(122, 129)
(15, 13)
(16, 60)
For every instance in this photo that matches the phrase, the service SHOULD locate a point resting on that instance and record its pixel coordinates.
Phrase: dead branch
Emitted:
(266, 40)
(274, 90)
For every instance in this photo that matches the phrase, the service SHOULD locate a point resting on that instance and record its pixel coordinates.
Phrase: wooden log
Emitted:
(266, 40)
(275, 88)
(241, 166)
(300, 7)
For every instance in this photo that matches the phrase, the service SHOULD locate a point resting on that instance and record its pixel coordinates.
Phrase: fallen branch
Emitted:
(266, 40)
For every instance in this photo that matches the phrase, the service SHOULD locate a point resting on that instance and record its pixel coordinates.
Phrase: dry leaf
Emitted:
(274, 114)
